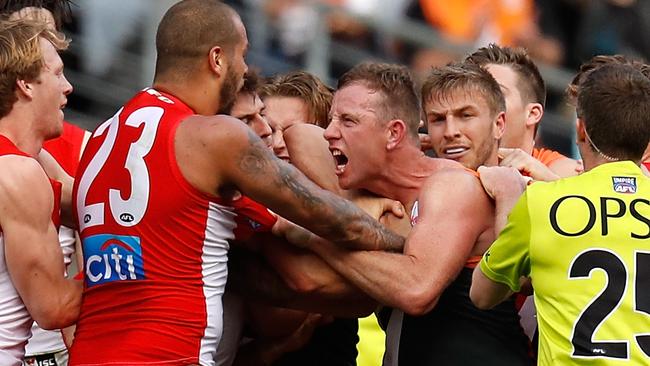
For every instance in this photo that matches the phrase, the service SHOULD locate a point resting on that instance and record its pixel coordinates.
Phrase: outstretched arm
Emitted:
(450, 222)
(241, 161)
(32, 250)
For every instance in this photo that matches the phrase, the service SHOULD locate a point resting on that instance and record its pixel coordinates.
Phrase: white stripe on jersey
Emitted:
(214, 262)
(15, 321)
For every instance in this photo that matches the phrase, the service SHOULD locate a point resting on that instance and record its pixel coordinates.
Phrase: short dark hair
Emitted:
(614, 104)
(467, 77)
(530, 82)
(189, 30)
(397, 86)
(60, 9)
(595, 63)
(302, 85)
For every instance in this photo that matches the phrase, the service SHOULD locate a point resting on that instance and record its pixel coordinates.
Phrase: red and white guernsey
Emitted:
(15, 321)
(155, 248)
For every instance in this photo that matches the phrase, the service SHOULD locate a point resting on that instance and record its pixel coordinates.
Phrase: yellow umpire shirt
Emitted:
(585, 242)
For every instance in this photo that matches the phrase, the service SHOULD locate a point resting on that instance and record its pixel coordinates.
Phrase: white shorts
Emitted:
(48, 359)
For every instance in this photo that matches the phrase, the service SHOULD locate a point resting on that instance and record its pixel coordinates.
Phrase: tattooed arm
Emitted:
(240, 161)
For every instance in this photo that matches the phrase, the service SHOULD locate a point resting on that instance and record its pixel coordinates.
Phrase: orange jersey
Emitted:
(546, 156)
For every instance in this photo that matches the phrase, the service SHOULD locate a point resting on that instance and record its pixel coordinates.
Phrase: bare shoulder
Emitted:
(24, 186)
(19, 172)
(209, 130)
(451, 181)
(201, 146)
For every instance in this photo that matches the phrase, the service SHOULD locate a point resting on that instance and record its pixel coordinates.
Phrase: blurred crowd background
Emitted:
(113, 49)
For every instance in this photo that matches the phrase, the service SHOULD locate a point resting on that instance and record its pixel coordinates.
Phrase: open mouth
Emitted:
(340, 159)
(454, 152)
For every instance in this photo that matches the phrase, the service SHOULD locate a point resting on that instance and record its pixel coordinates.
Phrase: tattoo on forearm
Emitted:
(288, 178)
(347, 223)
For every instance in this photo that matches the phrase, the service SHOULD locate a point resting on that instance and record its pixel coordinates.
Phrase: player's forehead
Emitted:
(51, 58)
(505, 76)
(456, 100)
(244, 104)
(356, 98)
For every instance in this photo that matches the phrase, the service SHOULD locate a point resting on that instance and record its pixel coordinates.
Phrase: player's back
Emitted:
(589, 257)
(155, 248)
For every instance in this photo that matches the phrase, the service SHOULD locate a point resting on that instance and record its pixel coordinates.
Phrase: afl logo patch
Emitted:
(624, 184)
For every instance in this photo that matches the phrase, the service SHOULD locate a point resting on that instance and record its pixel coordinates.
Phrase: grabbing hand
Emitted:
(376, 207)
(501, 181)
(526, 163)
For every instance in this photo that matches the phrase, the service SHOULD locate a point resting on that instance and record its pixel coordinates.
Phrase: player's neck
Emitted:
(17, 128)
(404, 175)
(528, 144)
(193, 96)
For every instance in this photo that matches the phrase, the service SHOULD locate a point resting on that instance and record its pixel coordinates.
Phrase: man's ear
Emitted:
(396, 131)
(216, 60)
(581, 134)
(499, 125)
(25, 88)
(534, 113)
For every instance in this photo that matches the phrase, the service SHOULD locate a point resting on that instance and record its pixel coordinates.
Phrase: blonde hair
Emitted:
(21, 57)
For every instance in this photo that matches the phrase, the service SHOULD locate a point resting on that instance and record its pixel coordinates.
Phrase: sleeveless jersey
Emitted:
(546, 156)
(455, 332)
(66, 150)
(647, 165)
(585, 242)
(15, 321)
(155, 247)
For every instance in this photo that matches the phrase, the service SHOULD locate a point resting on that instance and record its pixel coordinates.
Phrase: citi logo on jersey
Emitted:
(624, 184)
(111, 258)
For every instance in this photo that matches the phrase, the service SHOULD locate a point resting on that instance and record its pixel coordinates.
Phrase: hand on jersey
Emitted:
(502, 182)
(377, 207)
(525, 163)
(399, 224)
